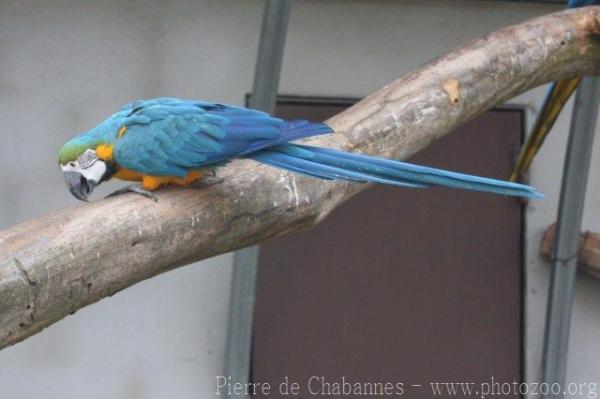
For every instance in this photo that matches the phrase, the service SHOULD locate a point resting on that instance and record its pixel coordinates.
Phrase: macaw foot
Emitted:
(134, 188)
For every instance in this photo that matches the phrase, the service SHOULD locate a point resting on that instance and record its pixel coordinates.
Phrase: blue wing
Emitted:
(169, 137)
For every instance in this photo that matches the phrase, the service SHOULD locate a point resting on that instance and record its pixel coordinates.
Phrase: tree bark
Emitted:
(54, 265)
(588, 256)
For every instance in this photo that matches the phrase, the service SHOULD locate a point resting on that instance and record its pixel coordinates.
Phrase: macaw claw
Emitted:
(134, 188)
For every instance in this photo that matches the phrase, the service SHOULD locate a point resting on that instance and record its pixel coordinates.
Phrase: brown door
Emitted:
(410, 287)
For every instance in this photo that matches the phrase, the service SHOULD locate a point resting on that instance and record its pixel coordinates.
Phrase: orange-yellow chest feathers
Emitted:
(128, 174)
(105, 152)
(154, 182)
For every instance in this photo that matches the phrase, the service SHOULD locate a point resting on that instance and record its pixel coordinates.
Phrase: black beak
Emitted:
(78, 185)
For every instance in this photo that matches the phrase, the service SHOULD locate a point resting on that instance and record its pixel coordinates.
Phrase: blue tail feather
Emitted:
(310, 168)
(332, 164)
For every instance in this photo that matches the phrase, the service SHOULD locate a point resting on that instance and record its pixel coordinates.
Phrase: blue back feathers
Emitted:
(168, 137)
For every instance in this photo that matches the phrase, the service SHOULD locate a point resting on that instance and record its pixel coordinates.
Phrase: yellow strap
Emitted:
(555, 102)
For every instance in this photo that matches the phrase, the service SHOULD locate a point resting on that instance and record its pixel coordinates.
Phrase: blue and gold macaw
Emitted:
(173, 141)
(556, 98)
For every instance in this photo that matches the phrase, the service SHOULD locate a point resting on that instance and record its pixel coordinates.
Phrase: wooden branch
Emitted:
(54, 265)
(588, 256)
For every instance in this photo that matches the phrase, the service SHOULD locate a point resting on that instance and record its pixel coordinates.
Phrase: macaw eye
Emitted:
(87, 159)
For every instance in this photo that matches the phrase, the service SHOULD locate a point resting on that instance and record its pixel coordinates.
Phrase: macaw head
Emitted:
(82, 169)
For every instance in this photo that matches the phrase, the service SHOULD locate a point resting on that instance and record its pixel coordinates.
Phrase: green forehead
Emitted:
(71, 151)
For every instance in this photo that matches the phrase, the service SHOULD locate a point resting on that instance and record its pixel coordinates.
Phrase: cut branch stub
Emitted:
(588, 256)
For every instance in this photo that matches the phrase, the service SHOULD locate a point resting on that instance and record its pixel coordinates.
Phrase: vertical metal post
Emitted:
(245, 261)
(570, 213)
(270, 55)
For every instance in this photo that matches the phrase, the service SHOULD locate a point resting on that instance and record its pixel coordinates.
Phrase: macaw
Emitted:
(556, 98)
(173, 141)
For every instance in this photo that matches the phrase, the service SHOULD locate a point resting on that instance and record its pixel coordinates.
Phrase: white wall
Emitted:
(65, 65)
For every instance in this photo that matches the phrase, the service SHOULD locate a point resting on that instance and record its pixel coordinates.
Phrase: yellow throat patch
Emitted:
(105, 152)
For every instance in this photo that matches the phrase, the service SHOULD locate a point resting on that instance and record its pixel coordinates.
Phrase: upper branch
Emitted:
(56, 264)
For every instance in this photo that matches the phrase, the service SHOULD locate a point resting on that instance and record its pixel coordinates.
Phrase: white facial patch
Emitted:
(88, 165)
